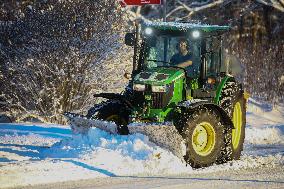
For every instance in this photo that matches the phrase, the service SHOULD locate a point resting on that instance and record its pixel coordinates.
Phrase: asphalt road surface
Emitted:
(262, 177)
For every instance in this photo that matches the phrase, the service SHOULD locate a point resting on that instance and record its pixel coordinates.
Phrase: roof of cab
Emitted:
(181, 26)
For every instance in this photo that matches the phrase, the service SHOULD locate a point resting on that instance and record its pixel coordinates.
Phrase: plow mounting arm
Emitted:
(114, 96)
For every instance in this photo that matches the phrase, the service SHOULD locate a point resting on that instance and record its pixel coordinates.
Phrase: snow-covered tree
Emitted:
(54, 54)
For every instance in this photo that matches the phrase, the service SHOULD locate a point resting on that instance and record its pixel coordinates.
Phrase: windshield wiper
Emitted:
(159, 61)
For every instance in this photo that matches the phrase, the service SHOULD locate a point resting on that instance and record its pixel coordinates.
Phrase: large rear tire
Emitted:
(233, 102)
(112, 111)
(206, 138)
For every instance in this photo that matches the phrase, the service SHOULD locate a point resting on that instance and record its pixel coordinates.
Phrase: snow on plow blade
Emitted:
(165, 136)
(81, 124)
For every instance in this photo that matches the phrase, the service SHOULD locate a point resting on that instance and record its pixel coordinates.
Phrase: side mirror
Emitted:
(129, 39)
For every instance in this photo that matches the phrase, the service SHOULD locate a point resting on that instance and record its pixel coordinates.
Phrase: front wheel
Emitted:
(206, 139)
(112, 111)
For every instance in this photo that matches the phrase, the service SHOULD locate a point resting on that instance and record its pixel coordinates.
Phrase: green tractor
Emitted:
(184, 100)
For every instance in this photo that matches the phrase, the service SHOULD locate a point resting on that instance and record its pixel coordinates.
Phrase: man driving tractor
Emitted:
(183, 58)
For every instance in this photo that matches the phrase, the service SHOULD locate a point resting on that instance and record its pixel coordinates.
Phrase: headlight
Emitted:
(138, 87)
(148, 31)
(159, 89)
(195, 34)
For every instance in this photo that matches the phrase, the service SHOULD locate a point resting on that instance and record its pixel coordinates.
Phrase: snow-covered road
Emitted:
(44, 154)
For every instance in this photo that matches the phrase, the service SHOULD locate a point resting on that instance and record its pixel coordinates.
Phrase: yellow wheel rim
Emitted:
(203, 138)
(237, 121)
(116, 119)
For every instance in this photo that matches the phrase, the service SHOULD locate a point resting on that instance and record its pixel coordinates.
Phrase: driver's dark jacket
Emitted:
(178, 58)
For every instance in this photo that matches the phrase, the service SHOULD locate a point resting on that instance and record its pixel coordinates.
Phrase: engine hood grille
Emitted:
(159, 76)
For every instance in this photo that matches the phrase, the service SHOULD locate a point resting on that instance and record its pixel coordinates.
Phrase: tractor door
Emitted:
(212, 57)
(210, 68)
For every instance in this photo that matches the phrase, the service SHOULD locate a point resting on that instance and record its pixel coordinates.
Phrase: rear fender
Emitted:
(221, 86)
(196, 104)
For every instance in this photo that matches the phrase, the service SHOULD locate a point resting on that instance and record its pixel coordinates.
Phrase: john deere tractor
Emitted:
(199, 108)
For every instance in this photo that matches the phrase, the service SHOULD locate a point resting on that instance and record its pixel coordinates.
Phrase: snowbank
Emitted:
(121, 155)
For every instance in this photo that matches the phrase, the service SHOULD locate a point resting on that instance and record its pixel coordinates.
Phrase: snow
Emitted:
(183, 26)
(38, 153)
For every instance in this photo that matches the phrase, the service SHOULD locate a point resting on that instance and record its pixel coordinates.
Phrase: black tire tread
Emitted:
(231, 94)
(108, 108)
(223, 140)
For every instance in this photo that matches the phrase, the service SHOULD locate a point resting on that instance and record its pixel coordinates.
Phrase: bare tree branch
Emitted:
(194, 7)
(175, 10)
(277, 4)
(197, 6)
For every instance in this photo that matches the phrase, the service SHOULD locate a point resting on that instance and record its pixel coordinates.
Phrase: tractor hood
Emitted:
(159, 76)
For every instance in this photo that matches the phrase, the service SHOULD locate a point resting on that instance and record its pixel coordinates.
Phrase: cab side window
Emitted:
(213, 56)
(194, 70)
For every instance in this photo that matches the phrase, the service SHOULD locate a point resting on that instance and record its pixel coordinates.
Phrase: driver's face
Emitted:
(182, 47)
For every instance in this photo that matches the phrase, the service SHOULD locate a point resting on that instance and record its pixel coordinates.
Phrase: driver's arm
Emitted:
(185, 64)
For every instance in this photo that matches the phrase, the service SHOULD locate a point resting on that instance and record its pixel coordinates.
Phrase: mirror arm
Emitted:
(136, 45)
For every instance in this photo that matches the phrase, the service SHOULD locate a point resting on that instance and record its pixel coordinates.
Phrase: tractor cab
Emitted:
(162, 46)
(160, 43)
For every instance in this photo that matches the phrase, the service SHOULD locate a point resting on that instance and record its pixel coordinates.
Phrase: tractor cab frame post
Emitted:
(203, 68)
(136, 42)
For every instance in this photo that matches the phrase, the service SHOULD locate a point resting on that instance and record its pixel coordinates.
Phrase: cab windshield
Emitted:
(166, 51)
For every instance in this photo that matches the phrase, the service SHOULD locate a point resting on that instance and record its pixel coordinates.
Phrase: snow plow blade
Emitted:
(165, 136)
